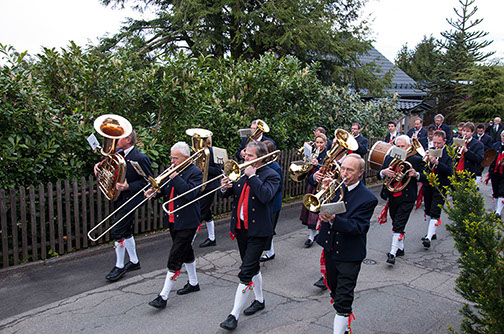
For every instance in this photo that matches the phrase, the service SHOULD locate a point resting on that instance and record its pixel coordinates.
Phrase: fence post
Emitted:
(77, 233)
(24, 233)
(33, 221)
(14, 224)
(50, 208)
(3, 230)
(43, 234)
(59, 208)
(84, 213)
(68, 217)
(91, 204)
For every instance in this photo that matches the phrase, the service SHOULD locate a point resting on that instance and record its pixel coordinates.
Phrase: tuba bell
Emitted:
(261, 127)
(112, 169)
(201, 140)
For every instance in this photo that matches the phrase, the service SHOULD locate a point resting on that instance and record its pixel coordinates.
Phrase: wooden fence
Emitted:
(37, 223)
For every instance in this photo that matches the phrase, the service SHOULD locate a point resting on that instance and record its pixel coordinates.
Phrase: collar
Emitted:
(353, 186)
(128, 150)
(260, 137)
(469, 140)
(357, 135)
(394, 134)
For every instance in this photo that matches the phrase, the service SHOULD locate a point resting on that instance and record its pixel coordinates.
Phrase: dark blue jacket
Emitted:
(474, 156)
(244, 141)
(495, 135)
(277, 200)
(387, 137)
(263, 188)
(499, 147)
(421, 134)
(345, 239)
(447, 131)
(486, 140)
(363, 145)
(135, 181)
(410, 192)
(190, 216)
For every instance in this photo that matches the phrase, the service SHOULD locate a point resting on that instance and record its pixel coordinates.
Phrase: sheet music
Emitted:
(398, 153)
(307, 151)
(244, 133)
(93, 142)
(220, 155)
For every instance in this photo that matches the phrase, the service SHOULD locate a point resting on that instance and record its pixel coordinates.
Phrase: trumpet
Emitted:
(314, 202)
(460, 143)
(232, 170)
(155, 183)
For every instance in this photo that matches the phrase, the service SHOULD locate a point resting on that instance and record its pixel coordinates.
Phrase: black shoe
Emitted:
(208, 242)
(159, 302)
(230, 323)
(188, 288)
(132, 266)
(426, 243)
(390, 258)
(433, 237)
(400, 252)
(320, 284)
(115, 274)
(266, 257)
(254, 307)
(308, 243)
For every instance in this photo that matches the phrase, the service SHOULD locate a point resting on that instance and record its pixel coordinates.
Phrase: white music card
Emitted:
(396, 152)
(244, 133)
(333, 208)
(93, 142)
(436, 153)
(307, 151)
(459, 142)
(220, 155)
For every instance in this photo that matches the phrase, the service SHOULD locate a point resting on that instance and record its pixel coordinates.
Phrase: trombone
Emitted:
(232, 170)
(156, 183)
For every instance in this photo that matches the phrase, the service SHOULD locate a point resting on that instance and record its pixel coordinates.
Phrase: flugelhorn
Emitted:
(313, 202)
(459, 143)
(261, 127)
(155, 183)
(232, 170)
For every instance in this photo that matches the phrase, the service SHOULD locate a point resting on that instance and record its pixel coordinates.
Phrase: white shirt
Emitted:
(128, 150)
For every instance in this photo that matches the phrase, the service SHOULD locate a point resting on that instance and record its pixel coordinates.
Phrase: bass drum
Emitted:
(489, 157)
(377, 154)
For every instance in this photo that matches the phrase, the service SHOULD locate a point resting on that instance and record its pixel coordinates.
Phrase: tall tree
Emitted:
(462, 49)
(324, 31)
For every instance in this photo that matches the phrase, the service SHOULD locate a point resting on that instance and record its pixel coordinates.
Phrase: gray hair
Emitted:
(439, 116)
(260, 148)
(362, 163)
(497, 118)
(182, 147)
(405, 138)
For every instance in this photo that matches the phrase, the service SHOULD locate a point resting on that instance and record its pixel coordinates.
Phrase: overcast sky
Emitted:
(30, 24)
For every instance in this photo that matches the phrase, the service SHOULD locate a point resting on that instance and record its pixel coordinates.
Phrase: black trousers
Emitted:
(250, 249)
(275, 216)
(497, 185)
(432, 200)
(206, 205)
(400, 212)
(124, 229)
(181, 251)
(342, 279)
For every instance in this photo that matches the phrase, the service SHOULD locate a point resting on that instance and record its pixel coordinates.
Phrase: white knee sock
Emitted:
(240, 299)
(401, 244)
(427, 218)
(499, 205)
(258, 292)
(211, 230)
(340, 324)
(168, 283)
(191, 272)
(432, 228)
(131, 248)
(120, 252)
(312, 235)
(271, 251)
(395, 243)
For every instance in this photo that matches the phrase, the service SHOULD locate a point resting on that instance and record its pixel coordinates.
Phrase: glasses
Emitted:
(174, 158)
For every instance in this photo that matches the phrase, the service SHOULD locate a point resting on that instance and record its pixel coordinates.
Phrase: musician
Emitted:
(417, 130)
(122, 233)
(458, 133)
(240, 155)
(496, 171)
(322, 131)
(252, 225)
(277, 206)
(207, 201)
(343, 237)
(426, 142)
(307, 217)
(182, 224)
(495, 130)
(472, 152)
(438, 123)
(401, 203)
(392, 127)
(433, 198)
(363, 145)
(486, 140)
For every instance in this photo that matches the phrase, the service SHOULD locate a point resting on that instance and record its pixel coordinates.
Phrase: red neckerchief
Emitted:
(499, 169)
(244, 197)
(171, 217)
(461, 163)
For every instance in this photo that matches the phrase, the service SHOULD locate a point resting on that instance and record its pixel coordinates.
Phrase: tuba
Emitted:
(342, 141)
(402, 167)
(201, 140)
(112, 168)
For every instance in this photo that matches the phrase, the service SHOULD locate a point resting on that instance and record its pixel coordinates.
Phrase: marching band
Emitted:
(337, 204)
